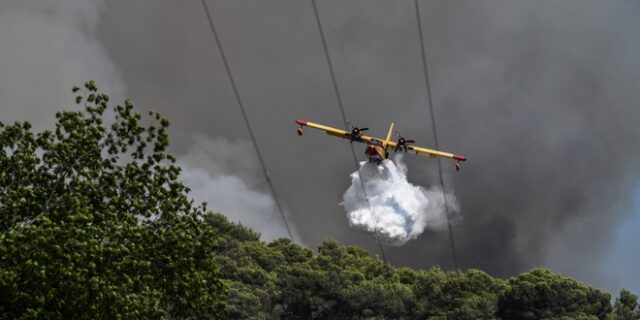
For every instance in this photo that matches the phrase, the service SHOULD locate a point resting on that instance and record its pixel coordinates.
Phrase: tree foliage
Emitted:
(282, 280)
(94, 222)
(626, 306)
(541, 294)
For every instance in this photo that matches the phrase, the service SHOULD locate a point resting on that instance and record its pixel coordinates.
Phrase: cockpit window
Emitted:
(376, 142)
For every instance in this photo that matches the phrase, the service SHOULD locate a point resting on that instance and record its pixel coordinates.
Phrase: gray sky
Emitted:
(540, 96)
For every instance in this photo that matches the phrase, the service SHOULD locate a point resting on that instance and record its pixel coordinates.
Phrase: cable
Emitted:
(342, 113)
(435, 132)
(244, 116)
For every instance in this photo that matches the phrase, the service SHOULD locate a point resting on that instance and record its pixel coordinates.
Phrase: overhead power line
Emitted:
(245, 117)
(425, 70)
(342, 112)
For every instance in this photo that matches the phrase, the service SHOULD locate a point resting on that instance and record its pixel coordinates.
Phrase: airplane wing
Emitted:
(435, 153)
(333, 131)
(429, 152)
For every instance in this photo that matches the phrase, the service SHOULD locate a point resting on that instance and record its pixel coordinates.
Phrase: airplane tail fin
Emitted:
(386, 141)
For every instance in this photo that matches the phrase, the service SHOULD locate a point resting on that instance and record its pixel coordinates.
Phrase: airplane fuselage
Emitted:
(375, 153)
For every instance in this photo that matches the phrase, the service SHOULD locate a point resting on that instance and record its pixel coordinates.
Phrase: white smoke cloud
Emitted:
(226, 175)
(394, 210)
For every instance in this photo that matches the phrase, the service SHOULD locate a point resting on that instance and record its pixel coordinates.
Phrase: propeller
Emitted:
(403, 143)
(356, 132)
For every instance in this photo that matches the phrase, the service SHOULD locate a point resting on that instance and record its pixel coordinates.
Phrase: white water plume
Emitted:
(391, 208)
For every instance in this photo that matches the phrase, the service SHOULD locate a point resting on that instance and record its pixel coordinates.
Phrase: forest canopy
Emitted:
(95, 223)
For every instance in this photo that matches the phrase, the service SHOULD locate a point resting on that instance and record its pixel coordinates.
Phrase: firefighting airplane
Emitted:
(377, 148)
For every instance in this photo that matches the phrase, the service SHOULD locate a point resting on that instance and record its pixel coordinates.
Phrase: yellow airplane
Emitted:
(377, 148)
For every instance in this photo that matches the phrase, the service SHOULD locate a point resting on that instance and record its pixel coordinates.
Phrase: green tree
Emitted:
(542, 294)
(343, 282)
(251, 268)
(470, 294)
(94, 222)
(282, 280)
(626, 306)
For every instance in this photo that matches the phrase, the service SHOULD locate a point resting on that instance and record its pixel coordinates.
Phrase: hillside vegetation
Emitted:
(95, 224)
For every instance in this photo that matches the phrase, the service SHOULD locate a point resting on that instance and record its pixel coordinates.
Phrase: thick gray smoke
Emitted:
(391, 208)
(539, 95)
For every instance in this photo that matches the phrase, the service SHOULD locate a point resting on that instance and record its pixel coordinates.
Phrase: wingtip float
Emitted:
(377, 149)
